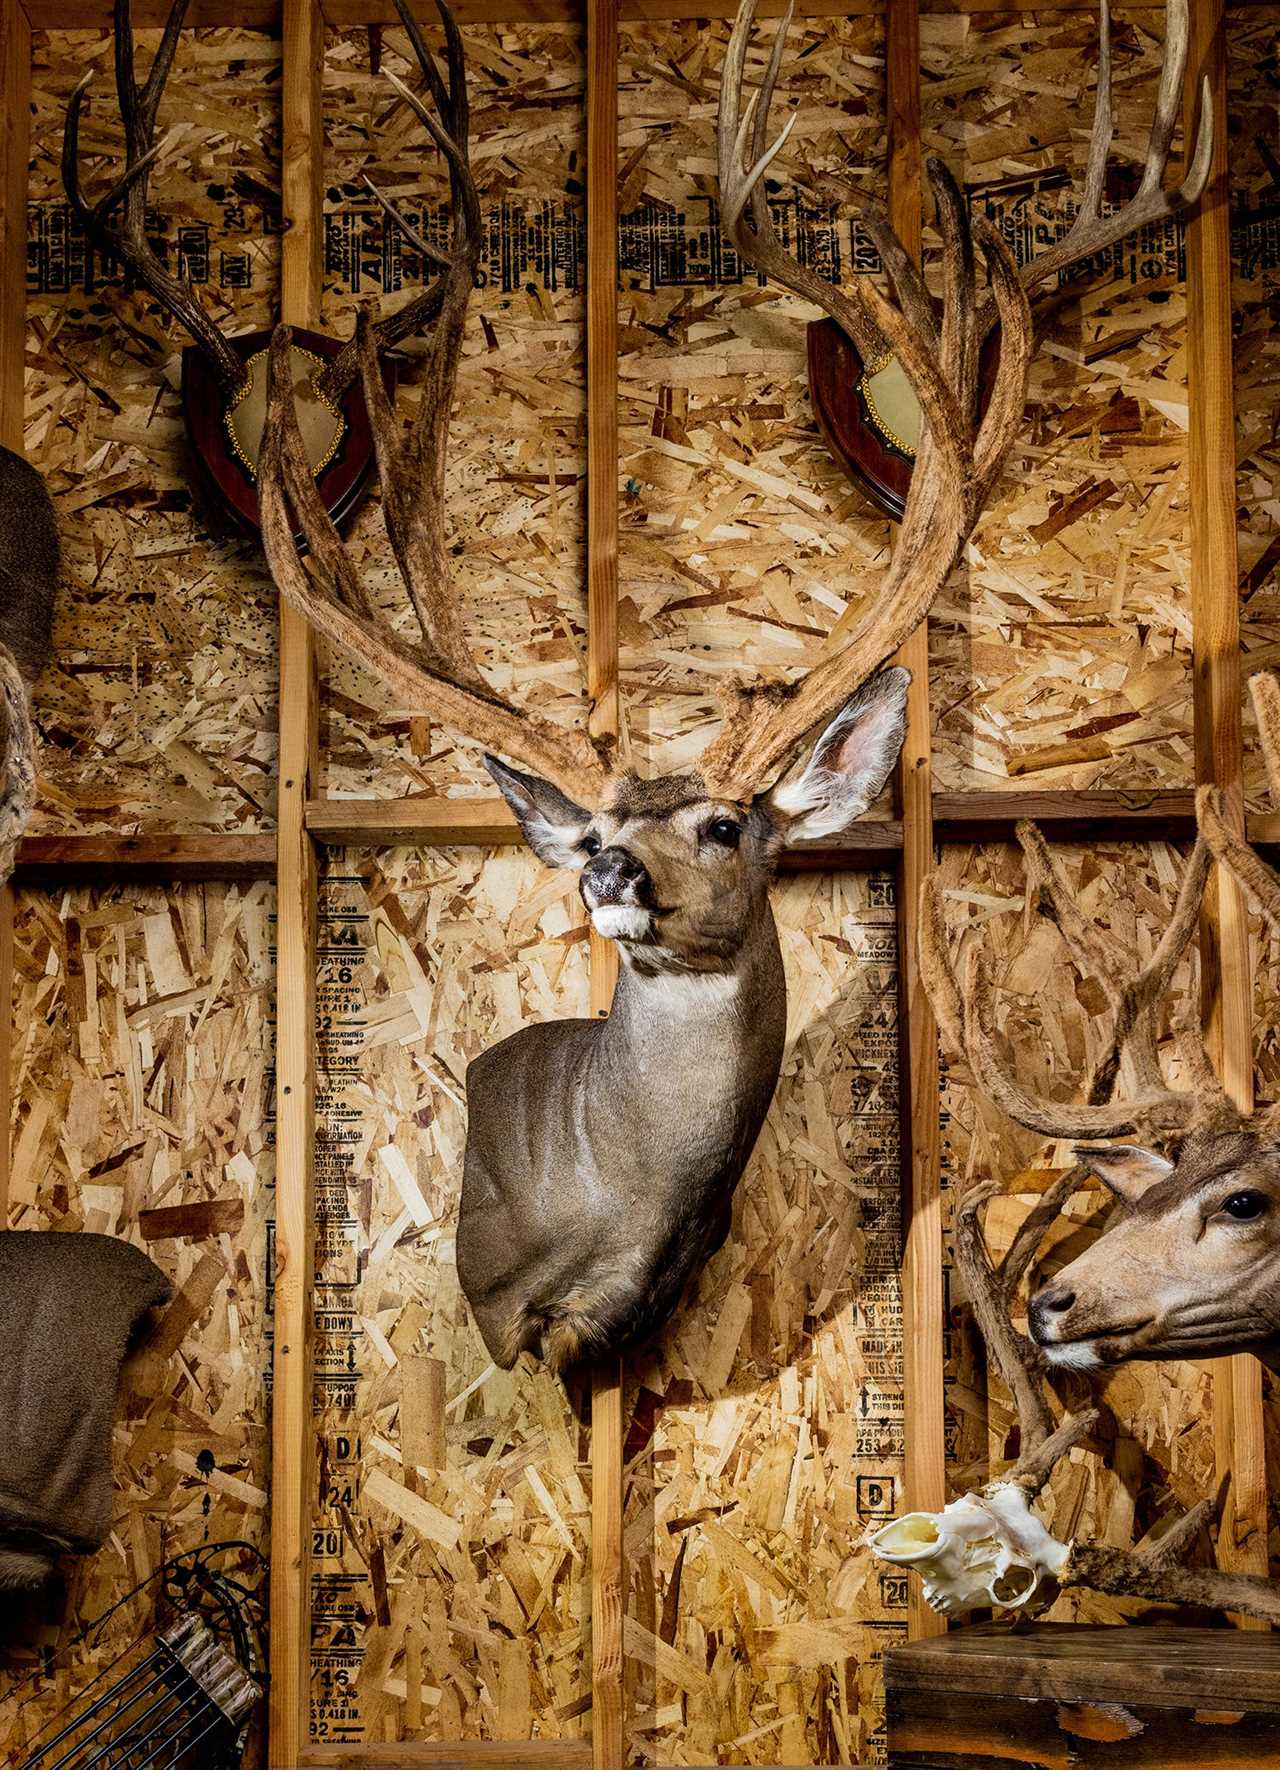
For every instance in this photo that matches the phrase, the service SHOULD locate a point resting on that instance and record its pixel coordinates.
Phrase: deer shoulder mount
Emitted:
(224, 379)
(865, 402)
(29, 567)
(602, 1155)
(1189, 1263)
(1186, 1269)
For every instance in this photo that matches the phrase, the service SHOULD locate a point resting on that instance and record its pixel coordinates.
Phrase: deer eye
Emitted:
(725, 832)
(590, 844)
(1246, 1206)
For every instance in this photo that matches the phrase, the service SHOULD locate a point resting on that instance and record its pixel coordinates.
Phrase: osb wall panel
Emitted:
(141, 1069)
(1159, 1425)
(1061, 650)
(517, 456)
(742, 543)
(450, 1552)
(1255, 182)
(158, 709)
(765, 1433)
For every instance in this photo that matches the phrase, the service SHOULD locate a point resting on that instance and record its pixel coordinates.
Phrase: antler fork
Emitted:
(117, 221)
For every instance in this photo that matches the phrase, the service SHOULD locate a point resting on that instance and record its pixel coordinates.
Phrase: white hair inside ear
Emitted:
(850, 764)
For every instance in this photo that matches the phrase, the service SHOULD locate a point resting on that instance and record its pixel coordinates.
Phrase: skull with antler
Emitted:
(602, 1156)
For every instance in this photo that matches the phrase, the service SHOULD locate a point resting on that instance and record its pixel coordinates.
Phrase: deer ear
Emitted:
(850, 763)
(553, 825)
(1125, 1169)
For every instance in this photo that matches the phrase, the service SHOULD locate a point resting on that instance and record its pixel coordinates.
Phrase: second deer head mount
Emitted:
(865, 402)
(1189, 1264)
(224, 379)
(602, 1155)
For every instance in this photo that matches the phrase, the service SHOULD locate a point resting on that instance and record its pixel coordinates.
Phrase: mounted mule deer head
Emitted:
(29, 565)
(1189, 1263)
(602, 1155)
(990, 1547)
(224, 379)
(866, 404)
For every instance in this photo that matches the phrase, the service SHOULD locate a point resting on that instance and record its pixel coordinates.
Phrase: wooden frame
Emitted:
(925, 818)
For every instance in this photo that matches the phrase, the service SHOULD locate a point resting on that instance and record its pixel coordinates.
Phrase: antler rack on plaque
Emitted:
(223, 401)
(762, 723)
(867, 413)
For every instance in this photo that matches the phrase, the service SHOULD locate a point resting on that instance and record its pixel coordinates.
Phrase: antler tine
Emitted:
(1232, 851)
(1092, 232)
(1264, 692)
(331, 600)
(1017, 1360)
(18, 754)
(127, 240)
(450, 133)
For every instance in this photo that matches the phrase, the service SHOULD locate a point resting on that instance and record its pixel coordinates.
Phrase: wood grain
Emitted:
(923, 1308)
(292, 1433)
(15, 141)
(55, 859)
(470, 1754)
(1225, 973)
(607, 1572)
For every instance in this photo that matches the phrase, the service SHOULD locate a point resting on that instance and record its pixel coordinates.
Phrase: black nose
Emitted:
(1054, 1299)
(614, 875)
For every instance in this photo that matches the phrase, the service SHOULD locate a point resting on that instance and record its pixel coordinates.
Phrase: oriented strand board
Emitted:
(1160, 1459)
(1061, 648)
(765, 1433)
(158, 709)
(517, 441)
(450, 1569)
(142, 1065)
(1255, 185)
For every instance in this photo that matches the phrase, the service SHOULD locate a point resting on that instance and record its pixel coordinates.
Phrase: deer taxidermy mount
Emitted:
(602, 1155)
(1188, 1265)
(224, 379)
(866, 404)
(29, 566)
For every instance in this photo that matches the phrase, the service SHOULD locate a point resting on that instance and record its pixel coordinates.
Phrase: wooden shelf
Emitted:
(44, 860)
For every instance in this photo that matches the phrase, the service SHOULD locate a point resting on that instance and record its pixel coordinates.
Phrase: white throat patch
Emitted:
(621, 921)
(1073, 1355)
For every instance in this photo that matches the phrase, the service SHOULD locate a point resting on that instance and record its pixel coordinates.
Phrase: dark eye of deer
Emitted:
(590, 844)
(1245, 1206)
(725, 832)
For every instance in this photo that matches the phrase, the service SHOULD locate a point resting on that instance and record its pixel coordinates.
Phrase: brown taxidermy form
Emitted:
(69, 1307)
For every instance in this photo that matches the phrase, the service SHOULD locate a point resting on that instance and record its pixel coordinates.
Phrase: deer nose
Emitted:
(1054, 1300)
(613, 876)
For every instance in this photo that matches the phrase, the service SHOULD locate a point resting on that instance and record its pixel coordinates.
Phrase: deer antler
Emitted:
(1219, 830)
(1093, 232)
(438, 673)
(17, 760)
(450, 134)
(117, 221)
(967, 1015)
(1153, 1570)
(958, 458)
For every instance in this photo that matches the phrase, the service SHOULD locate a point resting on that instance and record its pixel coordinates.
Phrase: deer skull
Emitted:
(986, 1550)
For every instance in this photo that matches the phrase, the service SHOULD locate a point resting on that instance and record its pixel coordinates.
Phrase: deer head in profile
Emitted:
(1188, 1265)
(602, 1155)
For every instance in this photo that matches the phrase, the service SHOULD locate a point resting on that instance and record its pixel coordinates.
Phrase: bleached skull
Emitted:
(987, 1549)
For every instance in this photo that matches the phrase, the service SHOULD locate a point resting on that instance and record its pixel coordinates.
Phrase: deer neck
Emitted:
(691, 1027)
